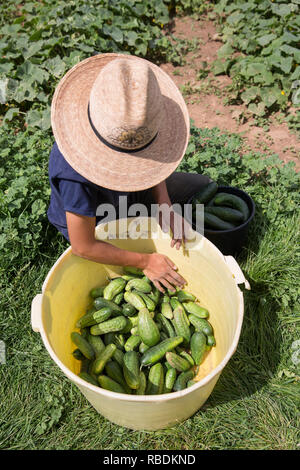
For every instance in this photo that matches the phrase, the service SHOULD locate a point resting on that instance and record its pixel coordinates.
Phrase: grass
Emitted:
(254, 405)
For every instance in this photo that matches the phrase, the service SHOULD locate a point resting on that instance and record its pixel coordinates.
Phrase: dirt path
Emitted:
(206, 104)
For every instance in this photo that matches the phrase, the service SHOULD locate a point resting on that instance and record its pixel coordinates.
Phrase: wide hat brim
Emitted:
(96, 161)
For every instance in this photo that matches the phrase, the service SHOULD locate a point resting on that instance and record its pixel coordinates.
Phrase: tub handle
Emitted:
(236, 271)
(36, 306)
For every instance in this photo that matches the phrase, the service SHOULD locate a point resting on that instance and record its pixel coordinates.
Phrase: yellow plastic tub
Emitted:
(212, 277)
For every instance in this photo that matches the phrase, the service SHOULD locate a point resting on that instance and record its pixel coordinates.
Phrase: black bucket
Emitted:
(231, 241)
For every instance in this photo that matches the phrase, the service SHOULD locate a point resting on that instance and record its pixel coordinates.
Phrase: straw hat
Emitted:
(120, 121)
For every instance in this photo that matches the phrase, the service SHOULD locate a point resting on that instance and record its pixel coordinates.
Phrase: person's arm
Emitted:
(177, 223)
(157, 267)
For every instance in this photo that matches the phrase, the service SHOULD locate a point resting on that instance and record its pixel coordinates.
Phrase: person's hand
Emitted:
(162, 272)
(180, 230)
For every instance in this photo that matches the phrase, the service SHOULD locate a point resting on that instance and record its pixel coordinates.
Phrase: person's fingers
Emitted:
(177, 279)
(170, 263)
(158, 286)
(167, 284)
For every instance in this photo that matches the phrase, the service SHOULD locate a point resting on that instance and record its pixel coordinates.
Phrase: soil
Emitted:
(206, 106)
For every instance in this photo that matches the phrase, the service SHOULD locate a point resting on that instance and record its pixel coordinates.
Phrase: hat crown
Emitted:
(125, 103)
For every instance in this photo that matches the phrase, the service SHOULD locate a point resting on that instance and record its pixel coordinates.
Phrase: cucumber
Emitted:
(97, 292)
(211, 340)
(148, 330)
(96, 343)
(189, 358)
(177, 362)
(128, 310)
(206, 193)
(109, 384)
(181, 325)
(118, 356)
(155, 353)
(118, 298)
(231, 200)
(114, 371)
(226, 213)
(143, 384)
(87, 319)
(191, 382)
(198, 346)
(201, 324)
(150, 304)
(113, 288)
(155, 384)
(175, 303)
(166, 310)
(131, 322)
(77, 354)
(131, 369)
(155, 295)
(132, 343)
(103, 358)
(111, 325)
(214, 222)
(133, 270)
(143, 347)
(100, 302)
(134, 299)
(140, 285)
(184, 296)
(183, 379)
(83, 345)
(88, 378)
(166, 325)
(101, 315)
(197, 310)
(170, 379)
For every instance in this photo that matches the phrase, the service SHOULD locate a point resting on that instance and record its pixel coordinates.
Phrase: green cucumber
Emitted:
(166, 325)
(118, 298)
(177, 362)
(170, 379)
(184, 296)
(143, 384)
(143, 348)
(155, 295)
(140, 285)
(183, 379)
(128, 310)
(83, 345)
(88, 378)
(226, 213)
(114, 371)
(213, 222)
(181, 325)
(201, 324)
(206, 193)
(195, 309)
(148, 330)
(77, 354)
(97, 292)
(131, 369)
(155, 353)
(113, 288)
(211, 341)
(96, 343)
(198, 346)
(231, 200)
(109, 384)
(87, 319)
(166, 310)
(111, 325)
(175, 303)
(132, 343)
(101, 315)
(103, 358)
(155, 385)
(134, 299)
(100, 302)
(118, 356)
(150, 304)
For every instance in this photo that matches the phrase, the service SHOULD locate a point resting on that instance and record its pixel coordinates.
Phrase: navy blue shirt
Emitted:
(73, 193)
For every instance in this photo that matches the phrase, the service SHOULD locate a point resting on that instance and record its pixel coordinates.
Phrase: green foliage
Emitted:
(47, 38)
(260, 51)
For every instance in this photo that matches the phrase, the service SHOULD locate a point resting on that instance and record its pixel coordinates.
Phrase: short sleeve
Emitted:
(77, 197)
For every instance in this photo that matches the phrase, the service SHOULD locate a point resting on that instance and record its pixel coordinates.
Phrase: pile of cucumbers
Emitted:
(222, 211)
(134, 339)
